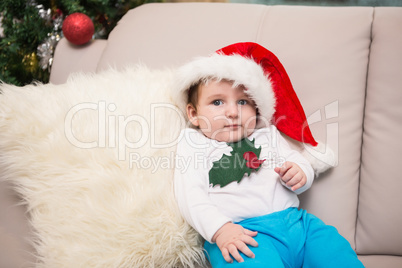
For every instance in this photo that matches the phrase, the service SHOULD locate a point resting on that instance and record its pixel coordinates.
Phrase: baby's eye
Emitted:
(217, 102)
(242, 102)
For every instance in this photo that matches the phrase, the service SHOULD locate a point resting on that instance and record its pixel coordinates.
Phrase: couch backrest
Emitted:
(326, 51)
(380, 189)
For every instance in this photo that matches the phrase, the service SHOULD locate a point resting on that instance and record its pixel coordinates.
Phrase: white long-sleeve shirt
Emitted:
(206, 207)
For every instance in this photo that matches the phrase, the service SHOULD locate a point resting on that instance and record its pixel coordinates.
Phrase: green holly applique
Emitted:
(243, 159)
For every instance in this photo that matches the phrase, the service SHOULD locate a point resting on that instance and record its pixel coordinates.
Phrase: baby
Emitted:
(240, 188)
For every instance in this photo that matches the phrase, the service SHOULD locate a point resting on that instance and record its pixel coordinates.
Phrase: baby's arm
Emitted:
(292, 175)
(304, 179)
(232, 238)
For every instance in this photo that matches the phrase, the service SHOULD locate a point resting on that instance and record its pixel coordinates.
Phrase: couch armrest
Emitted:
(14, 230)
(70, 58)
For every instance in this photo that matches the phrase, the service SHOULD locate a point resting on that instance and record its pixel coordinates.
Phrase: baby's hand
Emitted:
(231, 238)
(292, 175)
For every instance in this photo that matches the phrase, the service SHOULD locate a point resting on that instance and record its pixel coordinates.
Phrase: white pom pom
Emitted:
(321, 157)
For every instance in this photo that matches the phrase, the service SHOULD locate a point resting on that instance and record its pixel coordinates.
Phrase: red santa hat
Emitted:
(268, 84)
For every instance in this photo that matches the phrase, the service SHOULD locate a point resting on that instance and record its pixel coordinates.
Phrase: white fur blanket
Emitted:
(93, 160)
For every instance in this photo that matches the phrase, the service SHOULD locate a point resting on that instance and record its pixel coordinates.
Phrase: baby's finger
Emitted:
(296, 178)
(281, 170)
(277, 169)
(293, 174)
(249, 241)
(297, 186)
(250, 233)
(285, 168)
(226, 255)
(235, 253)
(245, 249)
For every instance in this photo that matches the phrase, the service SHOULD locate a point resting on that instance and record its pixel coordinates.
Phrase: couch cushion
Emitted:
(180, 32)
(380, 217)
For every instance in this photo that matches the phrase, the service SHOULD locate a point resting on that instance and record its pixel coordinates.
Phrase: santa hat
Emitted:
(268, 84)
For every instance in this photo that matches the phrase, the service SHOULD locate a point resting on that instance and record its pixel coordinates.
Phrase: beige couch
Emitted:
(346, 66)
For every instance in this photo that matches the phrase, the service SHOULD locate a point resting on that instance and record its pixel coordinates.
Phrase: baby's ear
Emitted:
(192, 114)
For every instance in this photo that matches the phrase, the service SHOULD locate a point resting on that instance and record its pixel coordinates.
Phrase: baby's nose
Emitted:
(232, 111)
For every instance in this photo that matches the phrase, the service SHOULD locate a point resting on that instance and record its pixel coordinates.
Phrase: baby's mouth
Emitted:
(233, 126)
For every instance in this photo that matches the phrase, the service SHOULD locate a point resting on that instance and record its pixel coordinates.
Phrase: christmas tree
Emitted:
(31, 29)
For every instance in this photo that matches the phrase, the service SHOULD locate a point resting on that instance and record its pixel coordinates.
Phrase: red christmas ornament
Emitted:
(78, 28)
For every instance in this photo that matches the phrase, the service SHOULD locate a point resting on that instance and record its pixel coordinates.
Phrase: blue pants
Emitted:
(291, 238)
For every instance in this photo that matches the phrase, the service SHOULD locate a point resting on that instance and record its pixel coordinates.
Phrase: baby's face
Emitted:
(224, 113)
